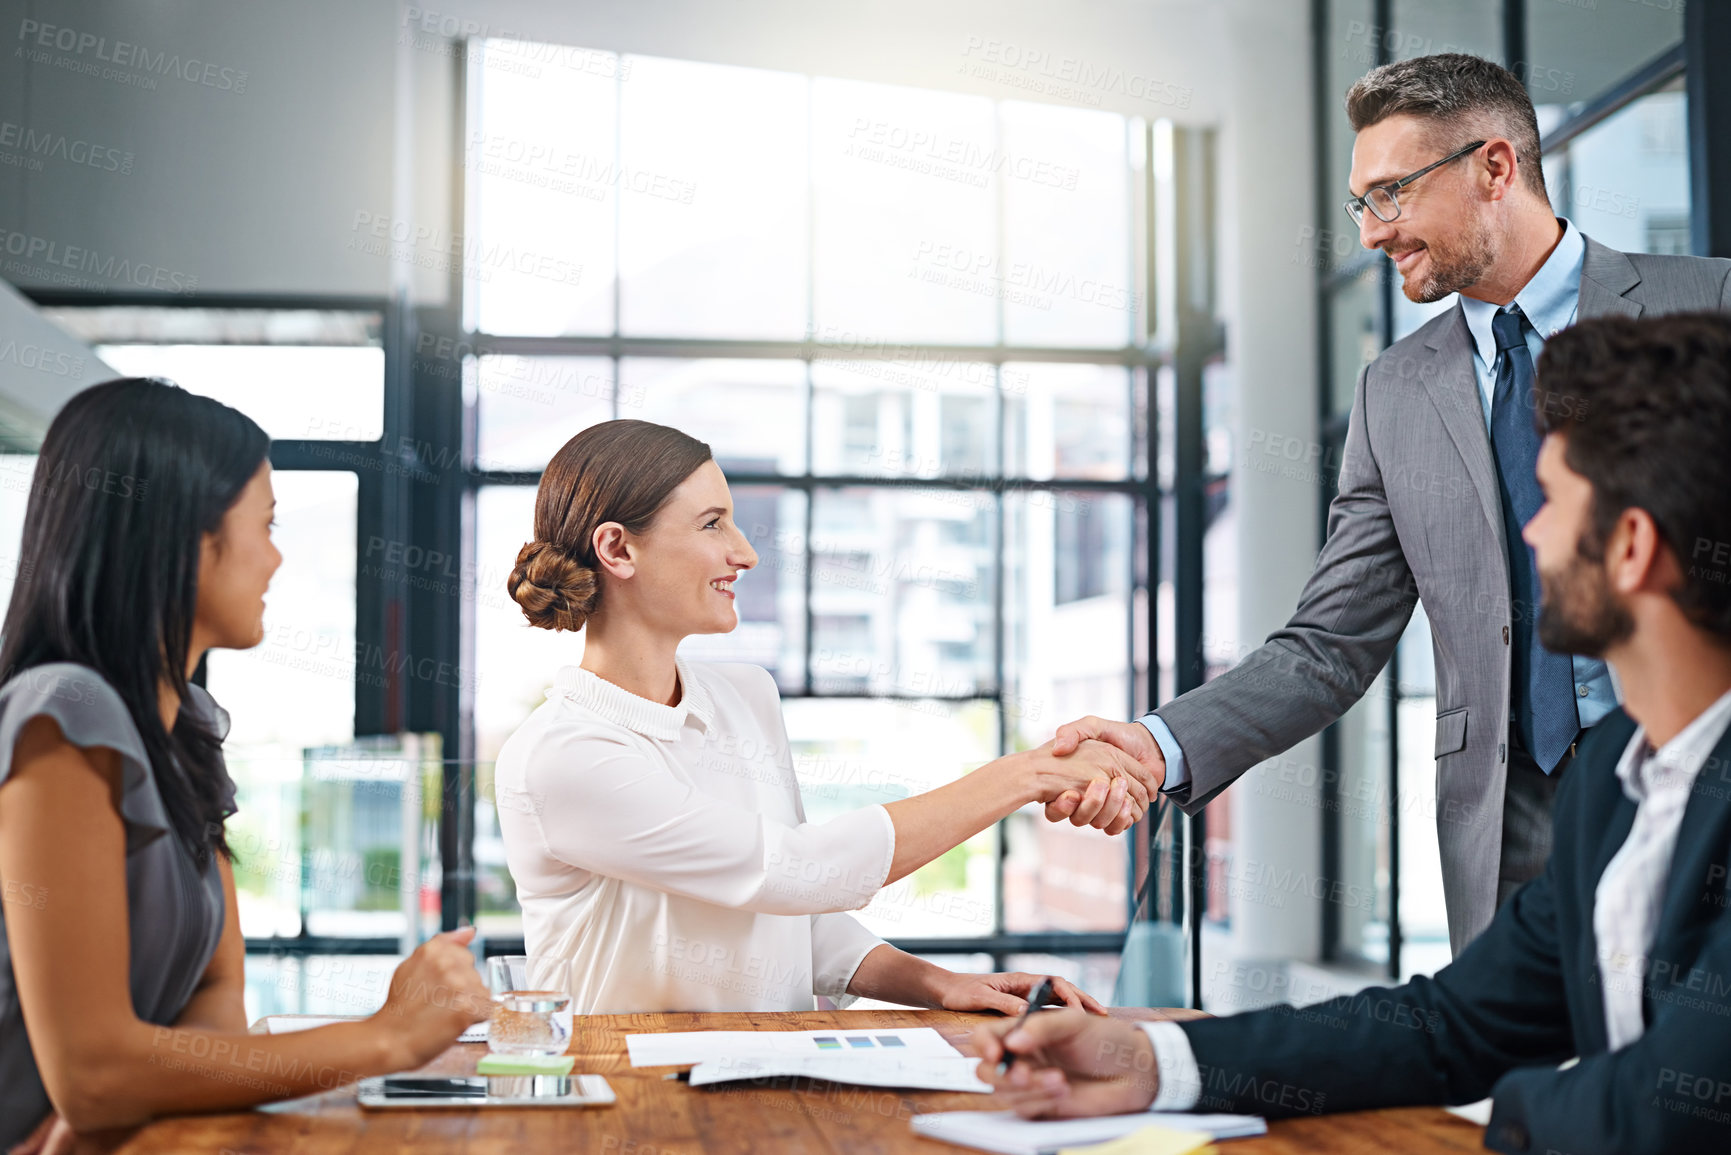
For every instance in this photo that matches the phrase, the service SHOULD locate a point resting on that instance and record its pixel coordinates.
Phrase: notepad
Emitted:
(1010, 1134)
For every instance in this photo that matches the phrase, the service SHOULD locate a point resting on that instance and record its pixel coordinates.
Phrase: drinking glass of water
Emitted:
(531, 1005)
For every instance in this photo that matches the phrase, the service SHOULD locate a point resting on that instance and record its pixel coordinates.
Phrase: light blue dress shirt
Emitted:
(1550, 301)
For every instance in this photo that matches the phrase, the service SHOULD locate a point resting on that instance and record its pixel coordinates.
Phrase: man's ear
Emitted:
(1501, 168)
(613, 550)
(1636, 555)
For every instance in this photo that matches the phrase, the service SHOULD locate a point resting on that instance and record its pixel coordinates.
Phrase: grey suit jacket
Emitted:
(1417, 518)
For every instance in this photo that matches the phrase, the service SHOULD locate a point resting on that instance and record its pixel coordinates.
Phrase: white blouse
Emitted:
(665, 852)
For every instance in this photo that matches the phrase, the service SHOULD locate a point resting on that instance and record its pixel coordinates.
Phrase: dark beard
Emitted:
(1452, 269)
(1577, 614)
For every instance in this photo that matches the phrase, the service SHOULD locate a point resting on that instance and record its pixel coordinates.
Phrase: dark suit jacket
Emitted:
(1526, 996)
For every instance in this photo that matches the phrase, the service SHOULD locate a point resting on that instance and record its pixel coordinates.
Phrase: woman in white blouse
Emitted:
(650, 814)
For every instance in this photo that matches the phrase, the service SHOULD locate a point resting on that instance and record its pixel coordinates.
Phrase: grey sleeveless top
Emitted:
(174, 910)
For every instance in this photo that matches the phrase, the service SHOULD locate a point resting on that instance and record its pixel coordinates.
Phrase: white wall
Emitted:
(1268, 296)
(244, 178)
(1124, 46)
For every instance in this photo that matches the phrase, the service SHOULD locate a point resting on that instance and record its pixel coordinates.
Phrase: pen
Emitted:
(1035, 1002)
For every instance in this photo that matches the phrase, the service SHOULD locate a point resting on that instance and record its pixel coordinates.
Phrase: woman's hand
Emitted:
(1008, 993)
(1099, 785)
(51, 1137)
(1133, 738)
(435, 994)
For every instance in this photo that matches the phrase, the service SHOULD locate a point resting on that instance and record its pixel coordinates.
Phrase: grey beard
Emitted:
(1452, 272)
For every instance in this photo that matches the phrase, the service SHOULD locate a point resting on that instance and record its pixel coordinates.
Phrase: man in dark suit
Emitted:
(1619, 953)
(1435, 483)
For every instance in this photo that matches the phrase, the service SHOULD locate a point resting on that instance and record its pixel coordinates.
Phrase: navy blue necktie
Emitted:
(1544, 683)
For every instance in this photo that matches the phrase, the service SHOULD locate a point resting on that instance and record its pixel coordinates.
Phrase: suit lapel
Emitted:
(1452, 379)
(1610, 737)
(1606, 277)
(1454, 389)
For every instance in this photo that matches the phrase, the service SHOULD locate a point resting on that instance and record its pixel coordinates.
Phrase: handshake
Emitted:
(1097, 773)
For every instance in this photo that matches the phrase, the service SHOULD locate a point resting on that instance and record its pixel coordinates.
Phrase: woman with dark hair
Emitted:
(146, 544)
(650, 815)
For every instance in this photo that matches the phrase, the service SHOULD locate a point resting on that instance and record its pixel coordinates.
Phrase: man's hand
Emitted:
(1098, 785)
(1131, 737)
(1069, 1064)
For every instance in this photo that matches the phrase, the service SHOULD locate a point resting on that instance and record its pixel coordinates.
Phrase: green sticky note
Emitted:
(525, 1064)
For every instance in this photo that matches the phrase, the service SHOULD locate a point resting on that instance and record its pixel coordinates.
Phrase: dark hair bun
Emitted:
(555, 590)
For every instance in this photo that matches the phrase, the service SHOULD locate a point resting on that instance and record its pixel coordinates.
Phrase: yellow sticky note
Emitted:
(1151, 1140)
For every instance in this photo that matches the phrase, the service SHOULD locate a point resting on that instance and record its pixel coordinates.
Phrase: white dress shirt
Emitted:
(1626, 904)
(1631, 892)
(664, 851)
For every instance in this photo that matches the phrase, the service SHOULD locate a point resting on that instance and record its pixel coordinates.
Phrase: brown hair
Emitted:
(619, 471)
(1645, 407)
(1467, 96)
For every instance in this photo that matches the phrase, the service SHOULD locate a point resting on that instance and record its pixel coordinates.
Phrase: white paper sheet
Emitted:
(686, 1048)
(1009, 1133)
(878, 1068)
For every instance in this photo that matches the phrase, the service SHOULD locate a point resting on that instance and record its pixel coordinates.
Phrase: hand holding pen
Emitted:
(1041, 996)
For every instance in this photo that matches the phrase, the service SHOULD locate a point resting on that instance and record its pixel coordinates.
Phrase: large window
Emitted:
(304, 392)
(1625, 180)
(1579, 52)
(912, 326)
(334, 839)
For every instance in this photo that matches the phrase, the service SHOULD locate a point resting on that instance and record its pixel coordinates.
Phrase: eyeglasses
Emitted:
(1380, 198)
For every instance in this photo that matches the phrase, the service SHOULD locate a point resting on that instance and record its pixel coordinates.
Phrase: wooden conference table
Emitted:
(659, 1117)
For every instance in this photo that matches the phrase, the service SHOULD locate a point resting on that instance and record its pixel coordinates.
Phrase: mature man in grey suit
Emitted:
(1436, 482)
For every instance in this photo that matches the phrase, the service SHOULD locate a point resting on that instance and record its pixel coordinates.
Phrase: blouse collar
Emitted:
(623, 708)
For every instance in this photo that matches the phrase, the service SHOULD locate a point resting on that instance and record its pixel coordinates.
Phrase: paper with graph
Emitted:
(877, 1067)
(688, 1048)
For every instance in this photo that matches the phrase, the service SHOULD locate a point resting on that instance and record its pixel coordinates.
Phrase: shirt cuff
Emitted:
(1177, 773)
(878, 873)
(1175, 1063)
(839, 945)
